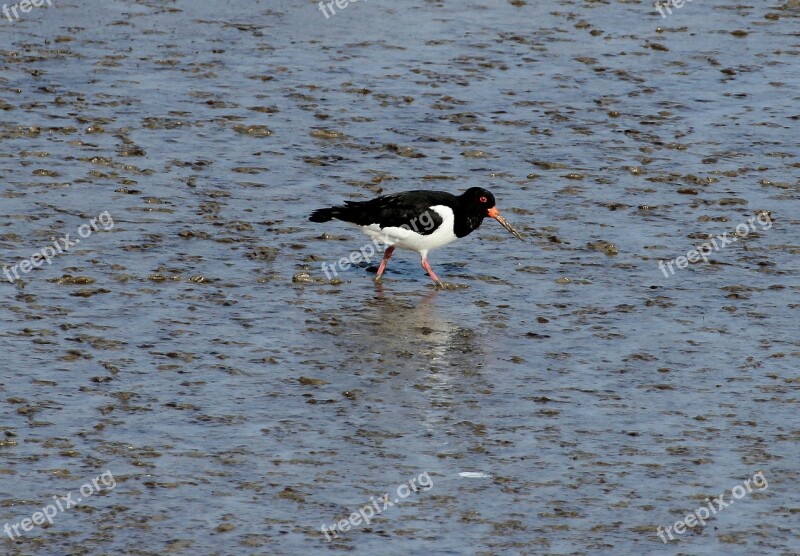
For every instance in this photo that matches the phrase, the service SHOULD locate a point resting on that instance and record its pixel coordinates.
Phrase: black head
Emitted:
(477, 201)
(475, 204)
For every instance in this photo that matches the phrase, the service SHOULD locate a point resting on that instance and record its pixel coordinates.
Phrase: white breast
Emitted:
(409, 239)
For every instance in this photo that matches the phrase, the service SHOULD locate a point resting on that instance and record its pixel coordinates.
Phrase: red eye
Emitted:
(483, 199)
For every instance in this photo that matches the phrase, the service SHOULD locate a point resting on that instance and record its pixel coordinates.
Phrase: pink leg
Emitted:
(430, 272)
(386, 255)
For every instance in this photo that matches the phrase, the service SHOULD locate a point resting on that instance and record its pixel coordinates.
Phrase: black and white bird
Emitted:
(417, 220)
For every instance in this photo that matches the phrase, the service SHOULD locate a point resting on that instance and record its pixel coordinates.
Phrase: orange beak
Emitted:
(494, 213)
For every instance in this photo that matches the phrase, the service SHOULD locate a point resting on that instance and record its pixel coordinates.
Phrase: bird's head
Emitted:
(479, 201)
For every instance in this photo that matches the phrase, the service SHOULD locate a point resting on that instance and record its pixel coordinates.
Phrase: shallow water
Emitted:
(570, 400)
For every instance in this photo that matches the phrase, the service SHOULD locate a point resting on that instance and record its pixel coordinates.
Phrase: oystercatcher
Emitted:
(417, 220)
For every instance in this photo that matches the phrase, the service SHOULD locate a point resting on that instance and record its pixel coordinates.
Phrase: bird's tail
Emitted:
(326, 214)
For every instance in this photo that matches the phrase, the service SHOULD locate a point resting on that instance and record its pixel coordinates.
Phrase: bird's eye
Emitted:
(483, 199)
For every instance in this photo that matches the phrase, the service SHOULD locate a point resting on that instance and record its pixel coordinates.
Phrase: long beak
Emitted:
(494, 213)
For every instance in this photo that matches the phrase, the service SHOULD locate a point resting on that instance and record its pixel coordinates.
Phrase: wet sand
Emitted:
(570, 399)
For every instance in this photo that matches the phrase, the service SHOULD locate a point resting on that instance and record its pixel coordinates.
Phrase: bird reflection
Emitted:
(414, 328)
(425, 361)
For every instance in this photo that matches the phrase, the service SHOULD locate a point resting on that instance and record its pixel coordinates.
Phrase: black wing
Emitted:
(410, 209)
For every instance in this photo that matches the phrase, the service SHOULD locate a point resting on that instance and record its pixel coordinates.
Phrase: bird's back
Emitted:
(394, 210)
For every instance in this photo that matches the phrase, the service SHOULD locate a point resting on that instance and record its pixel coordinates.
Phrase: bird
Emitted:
(417, 220)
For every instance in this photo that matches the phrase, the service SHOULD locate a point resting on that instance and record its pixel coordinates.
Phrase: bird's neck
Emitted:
(465, 222)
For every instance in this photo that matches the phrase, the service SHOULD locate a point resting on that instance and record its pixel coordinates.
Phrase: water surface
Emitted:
(570, 400)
